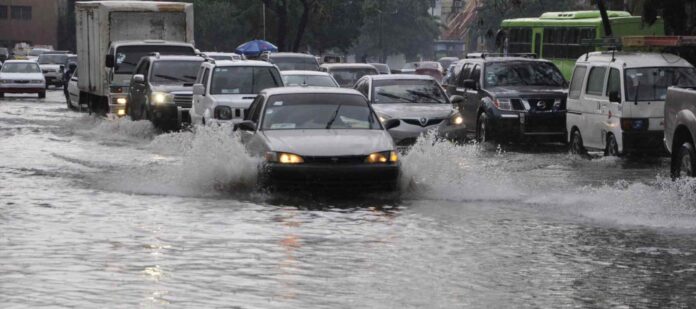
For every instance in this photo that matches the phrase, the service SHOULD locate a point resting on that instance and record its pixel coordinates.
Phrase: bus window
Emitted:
(520, 40)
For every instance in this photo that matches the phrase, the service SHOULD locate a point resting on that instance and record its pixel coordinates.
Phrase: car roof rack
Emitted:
(500, 55)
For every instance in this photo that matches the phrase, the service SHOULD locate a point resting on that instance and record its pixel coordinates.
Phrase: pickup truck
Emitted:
(680, 130)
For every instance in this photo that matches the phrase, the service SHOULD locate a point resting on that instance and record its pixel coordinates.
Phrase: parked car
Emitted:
(418, 102)
(616, 101)
(73, 93)
(22, 76)
(308, 78)
(292, 61)
(52, 64)
(430, 68)
(161, 90)
(4, 54)
(320, 139)
(222, 56)
(225, 89)
(510, 99)
(680, 128)
(346, 74)
(383, 68)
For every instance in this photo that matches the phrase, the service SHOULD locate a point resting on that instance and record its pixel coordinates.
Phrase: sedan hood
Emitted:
(21, 76)
(351, 142)
(527, 91)
(411, 110)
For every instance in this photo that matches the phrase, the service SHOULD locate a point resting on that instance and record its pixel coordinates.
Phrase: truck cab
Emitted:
(616, 101)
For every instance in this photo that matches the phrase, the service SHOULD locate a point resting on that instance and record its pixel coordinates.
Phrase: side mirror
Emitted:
(391, 123)
(470, 84)
(139, 78)
(198, 89)
(109, 61)
(457, 99)
(246, 125)
(614, 96)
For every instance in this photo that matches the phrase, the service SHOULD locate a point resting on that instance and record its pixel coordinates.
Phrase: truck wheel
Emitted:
(42, 94)
(684, 161)
(612, 147)
(576, 145)
(482, 132)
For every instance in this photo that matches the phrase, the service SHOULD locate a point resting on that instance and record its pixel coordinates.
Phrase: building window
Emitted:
(20, 12)
(3, 11)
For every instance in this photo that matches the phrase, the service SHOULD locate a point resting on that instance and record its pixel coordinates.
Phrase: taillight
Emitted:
(635, 124)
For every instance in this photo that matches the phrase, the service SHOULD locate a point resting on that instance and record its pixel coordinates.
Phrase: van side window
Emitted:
(464, 74)
(614, 82)
(595, 83)
(576, 82)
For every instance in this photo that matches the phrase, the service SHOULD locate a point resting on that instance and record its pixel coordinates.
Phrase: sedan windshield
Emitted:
(52, 58)
(650, 84)
(348, 76)
(523, 73)
(407, 91)
(309, 80)
(21, 67)
(295, 63)
(127, 57)
(318, 111)
(174, 72)
(244, 80)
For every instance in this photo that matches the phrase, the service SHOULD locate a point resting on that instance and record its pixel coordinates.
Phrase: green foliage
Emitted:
(221, 25)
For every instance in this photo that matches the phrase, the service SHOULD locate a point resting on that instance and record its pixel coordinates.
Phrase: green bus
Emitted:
(557, 36)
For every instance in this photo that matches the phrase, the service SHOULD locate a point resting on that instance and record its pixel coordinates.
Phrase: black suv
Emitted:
(161, 90)
(509, 98)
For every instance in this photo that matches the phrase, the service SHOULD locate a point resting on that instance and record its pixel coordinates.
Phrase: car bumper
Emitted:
(331, 177)
(516, 126)
(53, 78)
(170, 112)
(643, 142)
(22, 88)
(407, 134)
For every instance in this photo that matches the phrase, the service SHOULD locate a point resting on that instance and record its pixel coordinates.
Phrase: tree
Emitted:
(335, 24)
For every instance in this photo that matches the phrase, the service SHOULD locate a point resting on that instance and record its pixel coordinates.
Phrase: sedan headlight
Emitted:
(283, 158)
(5, 81)
(162, 98)
(382, 157)
(223, 113)
(503, 104)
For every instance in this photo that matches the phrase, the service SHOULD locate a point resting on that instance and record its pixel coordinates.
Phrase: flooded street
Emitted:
(109, 213)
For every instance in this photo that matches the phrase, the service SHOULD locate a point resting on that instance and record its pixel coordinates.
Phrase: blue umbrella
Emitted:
(255, 48)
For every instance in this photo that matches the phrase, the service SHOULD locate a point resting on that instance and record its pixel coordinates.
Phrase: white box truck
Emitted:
(112, 36)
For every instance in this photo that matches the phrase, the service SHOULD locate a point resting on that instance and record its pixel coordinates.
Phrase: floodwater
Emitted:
(108, 213)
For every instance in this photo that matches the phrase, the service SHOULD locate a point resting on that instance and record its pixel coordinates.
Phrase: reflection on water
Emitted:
(96, 212)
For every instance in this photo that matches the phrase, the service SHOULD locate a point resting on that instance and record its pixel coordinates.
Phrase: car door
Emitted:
(613, 110)
(576, 111)
(596, 104)
(472, 99)
(460, 90)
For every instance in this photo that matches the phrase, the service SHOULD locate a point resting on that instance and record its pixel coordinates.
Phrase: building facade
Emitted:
(37, 22)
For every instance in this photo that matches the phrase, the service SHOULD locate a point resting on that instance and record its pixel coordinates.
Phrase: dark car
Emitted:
(292, 61)
(509, 99)
(320, 139)
(161, 90)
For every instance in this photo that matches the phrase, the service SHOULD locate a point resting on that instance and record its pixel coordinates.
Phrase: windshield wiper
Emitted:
(333, 118)
(169, 77)
(393, 96)
(424, 95)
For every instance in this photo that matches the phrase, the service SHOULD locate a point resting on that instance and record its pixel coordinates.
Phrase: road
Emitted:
(108, 213)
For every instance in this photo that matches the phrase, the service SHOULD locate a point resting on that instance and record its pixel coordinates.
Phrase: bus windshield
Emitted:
(650, 84)
(523, 73)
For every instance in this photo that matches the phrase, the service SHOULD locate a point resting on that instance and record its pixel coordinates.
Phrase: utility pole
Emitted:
(263, 16)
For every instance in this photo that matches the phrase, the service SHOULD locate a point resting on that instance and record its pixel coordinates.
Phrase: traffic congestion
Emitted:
(139, 170)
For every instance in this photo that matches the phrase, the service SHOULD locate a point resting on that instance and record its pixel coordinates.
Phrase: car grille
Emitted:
(335, 159)
(21, 81)
(183, 100)
(429, 122)
(545, 124)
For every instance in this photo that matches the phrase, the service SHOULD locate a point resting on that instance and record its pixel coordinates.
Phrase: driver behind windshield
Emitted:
(174, 72)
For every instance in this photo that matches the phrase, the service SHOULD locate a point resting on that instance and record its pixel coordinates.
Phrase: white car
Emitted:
(51, 64)
(222, 56)
(616, 101)
(308, 78)
(225, 89)
(22, 76)
(73, 92)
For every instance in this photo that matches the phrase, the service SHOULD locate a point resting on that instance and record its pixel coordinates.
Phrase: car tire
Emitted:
(684, 161)
(612, 147)
(576, 145)
(42, 95)
(483, 133)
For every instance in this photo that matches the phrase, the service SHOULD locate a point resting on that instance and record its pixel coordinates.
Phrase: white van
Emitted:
(616, 100)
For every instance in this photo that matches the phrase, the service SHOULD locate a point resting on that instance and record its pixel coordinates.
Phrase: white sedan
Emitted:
(308, 78)
(22, 76)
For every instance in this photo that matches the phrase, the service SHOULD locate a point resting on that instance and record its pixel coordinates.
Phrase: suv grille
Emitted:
(429, 122)
(183, 100)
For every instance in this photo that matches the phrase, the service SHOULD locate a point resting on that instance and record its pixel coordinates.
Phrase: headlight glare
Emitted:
(382, 157)
(121, 101)
(283, 158)
(457, 119)
(161, 98)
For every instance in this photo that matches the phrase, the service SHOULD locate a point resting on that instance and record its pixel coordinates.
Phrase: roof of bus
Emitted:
(578, 18)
